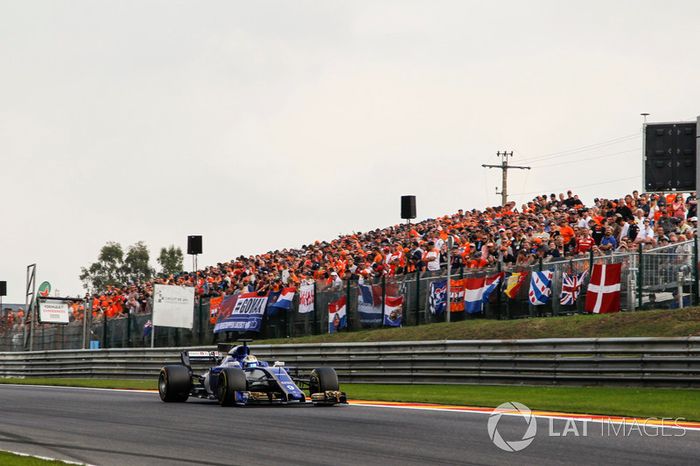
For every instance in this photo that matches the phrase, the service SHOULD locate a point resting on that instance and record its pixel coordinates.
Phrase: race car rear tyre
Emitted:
(174, 383)
(323, 379)
(231, 380)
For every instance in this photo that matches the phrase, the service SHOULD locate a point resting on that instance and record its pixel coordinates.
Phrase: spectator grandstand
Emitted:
(550, 227)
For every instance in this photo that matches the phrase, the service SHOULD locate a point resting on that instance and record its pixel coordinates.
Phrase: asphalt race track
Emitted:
(121, 428)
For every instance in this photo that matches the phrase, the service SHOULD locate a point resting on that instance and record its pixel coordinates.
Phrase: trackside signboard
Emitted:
(173, 306)
(54, 312)
(241, 312)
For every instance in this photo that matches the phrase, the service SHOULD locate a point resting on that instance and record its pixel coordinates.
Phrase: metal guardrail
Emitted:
(604, 361)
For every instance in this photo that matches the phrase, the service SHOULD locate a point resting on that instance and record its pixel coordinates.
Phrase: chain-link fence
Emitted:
(659, 278)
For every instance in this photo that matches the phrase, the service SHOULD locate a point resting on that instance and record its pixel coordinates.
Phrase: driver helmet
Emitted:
(250, 359)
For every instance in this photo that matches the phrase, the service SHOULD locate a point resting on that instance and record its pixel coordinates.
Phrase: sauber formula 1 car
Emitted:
(239, 378)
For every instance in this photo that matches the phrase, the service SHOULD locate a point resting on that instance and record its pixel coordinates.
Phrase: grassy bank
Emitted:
(641, 402)
(662, 323)
(10, 459)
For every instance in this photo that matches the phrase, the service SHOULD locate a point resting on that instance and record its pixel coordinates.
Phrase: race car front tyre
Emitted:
(323, 379)
(231, 380)
(174, 383)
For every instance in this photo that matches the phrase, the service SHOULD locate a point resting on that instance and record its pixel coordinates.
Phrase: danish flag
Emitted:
(603, 295)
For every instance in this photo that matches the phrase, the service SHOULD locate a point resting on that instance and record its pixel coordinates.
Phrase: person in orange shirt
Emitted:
(566, 232)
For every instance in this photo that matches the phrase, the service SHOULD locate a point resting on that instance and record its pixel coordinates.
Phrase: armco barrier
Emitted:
(604, 361)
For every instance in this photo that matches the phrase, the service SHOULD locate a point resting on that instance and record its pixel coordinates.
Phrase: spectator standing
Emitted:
(678, 207)
(432, 257)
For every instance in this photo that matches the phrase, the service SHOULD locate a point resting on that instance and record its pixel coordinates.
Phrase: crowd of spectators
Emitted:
(550, 227)
(11, 319)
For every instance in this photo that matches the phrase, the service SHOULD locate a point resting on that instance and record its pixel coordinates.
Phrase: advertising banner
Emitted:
(54, 312)
(173, 306)
(241, 313)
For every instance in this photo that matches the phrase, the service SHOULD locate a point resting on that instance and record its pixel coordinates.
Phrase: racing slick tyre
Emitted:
(323, 379)
(231, 380)
(174, 383)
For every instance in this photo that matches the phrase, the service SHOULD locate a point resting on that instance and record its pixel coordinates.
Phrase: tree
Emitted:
(107, 271)
(171, 260)
(136, 268)
(114, 269)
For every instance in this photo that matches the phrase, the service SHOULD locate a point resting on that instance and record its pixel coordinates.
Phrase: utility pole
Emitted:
(504, 167)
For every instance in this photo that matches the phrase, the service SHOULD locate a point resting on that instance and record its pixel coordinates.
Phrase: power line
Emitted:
(569, 152)
(540, 191)
(588, 158)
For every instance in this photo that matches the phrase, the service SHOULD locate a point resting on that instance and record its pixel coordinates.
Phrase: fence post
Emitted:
(418, 295)
(695, 271)
(639, 277)
(87, 310)
(128, 329)
(498, 291)
(347, 303)
(383, 297)
(200, 330)
(105, 344)
(317, 330)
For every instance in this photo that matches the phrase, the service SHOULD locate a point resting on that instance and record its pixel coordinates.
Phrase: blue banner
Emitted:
(241, 313)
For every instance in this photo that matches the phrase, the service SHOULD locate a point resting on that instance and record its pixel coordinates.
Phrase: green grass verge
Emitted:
(9, 459)
(623, 401)
(132, 384)
(663, 323)
(640, 402)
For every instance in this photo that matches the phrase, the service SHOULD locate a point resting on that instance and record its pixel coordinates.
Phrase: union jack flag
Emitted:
(571, 287)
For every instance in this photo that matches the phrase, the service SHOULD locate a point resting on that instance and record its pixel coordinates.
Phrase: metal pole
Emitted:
(347, 303)
(86, 310)
(153, 333)
(32, 326)
(417, 296)
(639, 277)
(680, 290)
(695, 269)
(383, 298)
(504, 181)
(499, 268)
(317, 330)
(29, 303)
(104, 328)
(201, 320)
(449, 273)
(128, 328)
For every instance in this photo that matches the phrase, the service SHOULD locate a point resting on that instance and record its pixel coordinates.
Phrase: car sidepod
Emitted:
(272, 384)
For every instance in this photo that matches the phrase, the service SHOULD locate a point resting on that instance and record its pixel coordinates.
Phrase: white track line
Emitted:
(579, 417)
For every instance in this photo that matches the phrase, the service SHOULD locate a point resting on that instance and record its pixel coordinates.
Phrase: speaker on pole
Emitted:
(408, 207)
(194, 244)
(3, 288)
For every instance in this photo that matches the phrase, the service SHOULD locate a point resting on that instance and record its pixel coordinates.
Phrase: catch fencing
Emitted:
(664, 277)
(605, 361)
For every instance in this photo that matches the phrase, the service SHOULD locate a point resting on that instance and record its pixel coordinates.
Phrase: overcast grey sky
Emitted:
(263, 125)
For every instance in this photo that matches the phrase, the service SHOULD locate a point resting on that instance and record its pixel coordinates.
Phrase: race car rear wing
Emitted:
(189, 357)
